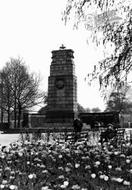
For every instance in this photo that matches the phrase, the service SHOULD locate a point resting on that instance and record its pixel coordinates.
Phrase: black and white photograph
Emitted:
(66, 95)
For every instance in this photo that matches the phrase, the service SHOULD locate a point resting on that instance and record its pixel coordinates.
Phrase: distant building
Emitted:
(126, 120)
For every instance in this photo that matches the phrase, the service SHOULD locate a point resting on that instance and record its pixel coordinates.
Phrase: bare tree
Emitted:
(6, 97)
(20, 89)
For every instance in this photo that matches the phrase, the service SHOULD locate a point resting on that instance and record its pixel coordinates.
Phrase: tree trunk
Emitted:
(1, 114)
(8, 112)
(19, 115)
(15, 112)
(15, 118)
(2, 102)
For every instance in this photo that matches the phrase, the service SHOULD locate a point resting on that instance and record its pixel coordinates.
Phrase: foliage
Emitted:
(45, 166)
(88, 110)
(115, 68)
(80, 108)
(118, 101)
(96, 110)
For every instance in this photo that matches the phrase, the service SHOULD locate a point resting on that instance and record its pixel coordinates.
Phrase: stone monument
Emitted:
(62, 87)
(62, 93)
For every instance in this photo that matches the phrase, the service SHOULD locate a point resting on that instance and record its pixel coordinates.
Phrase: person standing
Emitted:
(77, 124)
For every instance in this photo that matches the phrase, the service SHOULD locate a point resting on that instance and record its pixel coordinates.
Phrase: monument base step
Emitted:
(46, 127)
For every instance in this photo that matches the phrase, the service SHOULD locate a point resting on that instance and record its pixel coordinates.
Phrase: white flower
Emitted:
(64, 185)
(87, 167)
(7, 169)
(106, 178)
(12, 177)
(69, 164)
(61, 177)
(97, 163)
(67, 169)
(77, 165)
(109, 166)
(26, 142)
(111, 146)
(118, 169)
(42, 166)
(119, 180)
(93, 175)
(75, 187)
(122, 155)
(126, 182)
(67, 149)
(12, 172)
(7, 149)
(20, 154)
(60, 168)
(128, 144)
(2, 186)
(60, 156)
(3, 156)
(31, 176)
(116, 153)
(4, 182)
(128, 161)
(101, 176)
(45, 171)
(45, 188)
(130, 171)
(13, 187)
(113, 179)
(84, 158)
(76, 151)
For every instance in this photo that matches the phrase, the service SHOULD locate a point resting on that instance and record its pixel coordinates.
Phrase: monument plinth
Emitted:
(62, 87)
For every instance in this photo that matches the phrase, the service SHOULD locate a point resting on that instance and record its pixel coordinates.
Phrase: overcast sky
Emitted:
(31, 29)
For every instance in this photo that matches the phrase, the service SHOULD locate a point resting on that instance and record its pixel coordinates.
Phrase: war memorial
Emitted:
(62, 163)
(62, 98)
(62, 92)
(62, 87)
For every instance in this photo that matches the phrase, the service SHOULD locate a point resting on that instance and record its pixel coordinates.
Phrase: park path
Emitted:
(6, 139)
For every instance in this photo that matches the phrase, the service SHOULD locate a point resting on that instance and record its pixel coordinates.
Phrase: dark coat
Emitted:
(77, 124)
(107, 135)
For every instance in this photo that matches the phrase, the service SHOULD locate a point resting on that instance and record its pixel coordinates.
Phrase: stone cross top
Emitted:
(62, 47)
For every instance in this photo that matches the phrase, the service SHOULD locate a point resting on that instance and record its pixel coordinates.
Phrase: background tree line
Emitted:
(119, 101)
(19, 90)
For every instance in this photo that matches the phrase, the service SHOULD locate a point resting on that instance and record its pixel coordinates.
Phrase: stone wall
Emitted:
(39, 121)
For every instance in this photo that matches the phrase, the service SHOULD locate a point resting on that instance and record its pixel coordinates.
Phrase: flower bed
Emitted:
(38, 165)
